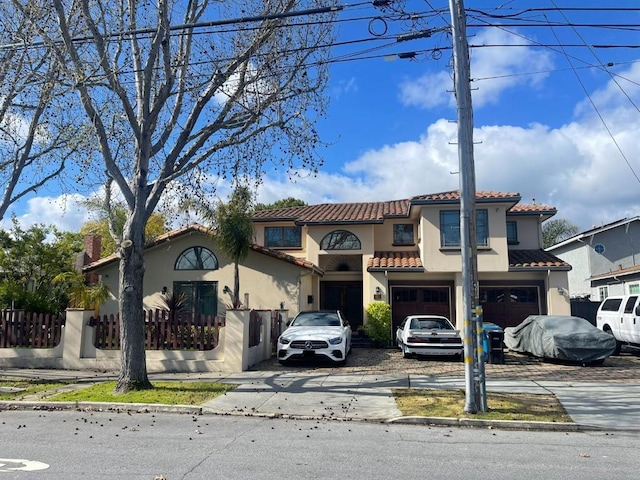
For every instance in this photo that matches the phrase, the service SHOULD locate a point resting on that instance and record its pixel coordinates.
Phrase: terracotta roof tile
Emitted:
(376, 212)
(301, 262)
(522, 208)
(535, 260)
(395, 260)
(195, 227)
(337, 212)
(454, 195)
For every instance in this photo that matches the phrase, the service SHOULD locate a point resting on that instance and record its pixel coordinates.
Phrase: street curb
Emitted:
(101, 407)
(491, 424)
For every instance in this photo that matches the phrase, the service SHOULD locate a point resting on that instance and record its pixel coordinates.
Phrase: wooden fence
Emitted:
(162, 331)
(19, 329)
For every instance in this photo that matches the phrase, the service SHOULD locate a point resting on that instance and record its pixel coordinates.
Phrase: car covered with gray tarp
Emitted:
(560, 337)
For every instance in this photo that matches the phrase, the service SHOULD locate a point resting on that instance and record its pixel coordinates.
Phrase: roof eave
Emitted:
(397, 269)
(540, 268)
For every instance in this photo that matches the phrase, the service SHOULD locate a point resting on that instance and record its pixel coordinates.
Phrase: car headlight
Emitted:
(284, 340)
(335, 341)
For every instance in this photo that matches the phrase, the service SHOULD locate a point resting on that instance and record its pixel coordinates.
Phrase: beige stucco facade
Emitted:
(265, 282)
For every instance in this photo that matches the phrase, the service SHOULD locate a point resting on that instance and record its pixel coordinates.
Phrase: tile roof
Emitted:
(535, 260)
(534, 209)
(194, 227)
(337, 212)
(615, 273)
(376, 212)
(301, 262)
(454, 196)
(406, 261)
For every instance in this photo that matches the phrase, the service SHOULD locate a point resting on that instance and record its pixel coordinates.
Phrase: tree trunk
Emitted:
(133, 373)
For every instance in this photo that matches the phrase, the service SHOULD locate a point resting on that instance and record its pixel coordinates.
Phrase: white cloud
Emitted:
(493, 71)
(64, 212)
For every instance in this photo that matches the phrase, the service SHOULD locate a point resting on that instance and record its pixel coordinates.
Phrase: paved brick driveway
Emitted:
(621, 369)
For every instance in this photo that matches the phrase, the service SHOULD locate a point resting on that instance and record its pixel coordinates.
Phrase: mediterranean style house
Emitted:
(347, 255)
(604, 260)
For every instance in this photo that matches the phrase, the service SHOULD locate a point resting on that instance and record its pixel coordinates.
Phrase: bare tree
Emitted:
(182, 93)
(557, 230)
(36, 139)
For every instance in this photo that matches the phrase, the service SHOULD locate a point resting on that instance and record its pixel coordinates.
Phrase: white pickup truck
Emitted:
(620, 317)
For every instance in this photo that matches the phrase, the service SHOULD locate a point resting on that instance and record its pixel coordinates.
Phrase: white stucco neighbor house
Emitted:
(605, 260)
(346, 255)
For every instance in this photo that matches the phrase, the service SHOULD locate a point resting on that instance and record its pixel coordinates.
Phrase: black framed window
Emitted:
(340, 240)
(450, 228)
(403, 234)
(196, 258)
(512, 232)
(283, 237)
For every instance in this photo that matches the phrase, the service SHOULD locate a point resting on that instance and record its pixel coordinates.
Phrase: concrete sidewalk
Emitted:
(337, 395)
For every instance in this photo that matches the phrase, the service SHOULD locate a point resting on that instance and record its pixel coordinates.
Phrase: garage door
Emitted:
(508, 306)
(415, 300)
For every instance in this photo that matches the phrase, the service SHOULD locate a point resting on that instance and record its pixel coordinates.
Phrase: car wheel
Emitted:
(405, 352)
(283, 362)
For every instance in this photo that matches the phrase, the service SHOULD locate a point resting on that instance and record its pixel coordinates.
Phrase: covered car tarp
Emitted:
(560, 337)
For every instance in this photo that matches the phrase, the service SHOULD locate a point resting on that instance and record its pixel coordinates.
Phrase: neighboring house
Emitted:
(605, 260)
(347, 255)
(188, 261)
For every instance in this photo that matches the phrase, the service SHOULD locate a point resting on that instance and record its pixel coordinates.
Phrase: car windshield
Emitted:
(316, 319)
(430, 324)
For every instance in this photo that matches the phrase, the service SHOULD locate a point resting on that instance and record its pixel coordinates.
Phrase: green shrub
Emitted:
(378, 326)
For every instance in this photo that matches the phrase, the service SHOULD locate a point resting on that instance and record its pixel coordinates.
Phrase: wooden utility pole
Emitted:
(472, 332)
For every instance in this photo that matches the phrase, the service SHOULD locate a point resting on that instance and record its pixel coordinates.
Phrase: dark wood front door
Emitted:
(345, 296)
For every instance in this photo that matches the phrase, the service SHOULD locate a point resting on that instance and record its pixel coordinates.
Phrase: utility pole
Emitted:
(475, 389)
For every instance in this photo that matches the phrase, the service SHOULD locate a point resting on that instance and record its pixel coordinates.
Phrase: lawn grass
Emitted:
(501, 406)
(166, 393)
(24, 387)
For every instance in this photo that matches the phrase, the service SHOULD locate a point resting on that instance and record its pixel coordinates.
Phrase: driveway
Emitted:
(620, 369)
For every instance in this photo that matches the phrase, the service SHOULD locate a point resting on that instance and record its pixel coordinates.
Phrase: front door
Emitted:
(345, 296)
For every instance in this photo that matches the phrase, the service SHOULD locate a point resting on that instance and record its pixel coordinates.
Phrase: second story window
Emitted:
(403, 234)
(450, 228)
(340, 240)
(283, 237)
(512, 233)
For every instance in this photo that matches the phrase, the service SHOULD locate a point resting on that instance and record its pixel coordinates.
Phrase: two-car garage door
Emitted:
(504, 305)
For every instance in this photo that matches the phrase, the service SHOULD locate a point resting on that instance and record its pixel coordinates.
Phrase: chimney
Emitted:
(92, 248)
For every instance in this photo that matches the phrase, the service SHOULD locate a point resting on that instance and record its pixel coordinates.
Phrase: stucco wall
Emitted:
(267, 280)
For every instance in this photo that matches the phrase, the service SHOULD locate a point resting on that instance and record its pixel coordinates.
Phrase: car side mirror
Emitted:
(638, 311)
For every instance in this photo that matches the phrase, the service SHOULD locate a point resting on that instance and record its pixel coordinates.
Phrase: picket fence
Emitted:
(20, 329)
(163, 331)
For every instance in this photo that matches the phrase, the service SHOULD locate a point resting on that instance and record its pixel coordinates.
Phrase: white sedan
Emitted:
(316, 334)
(428, 335)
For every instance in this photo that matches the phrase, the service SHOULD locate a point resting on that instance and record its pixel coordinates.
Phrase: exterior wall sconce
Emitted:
(561, 291)
(164, 290)
(309, 299)
(378, 294)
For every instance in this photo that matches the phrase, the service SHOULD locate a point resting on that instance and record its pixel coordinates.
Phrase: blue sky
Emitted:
(557, 117)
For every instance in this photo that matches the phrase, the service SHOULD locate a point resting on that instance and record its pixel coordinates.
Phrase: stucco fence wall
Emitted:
(77, 352)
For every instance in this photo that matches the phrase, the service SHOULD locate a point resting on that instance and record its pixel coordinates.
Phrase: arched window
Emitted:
(340, 240)
(197, 258)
